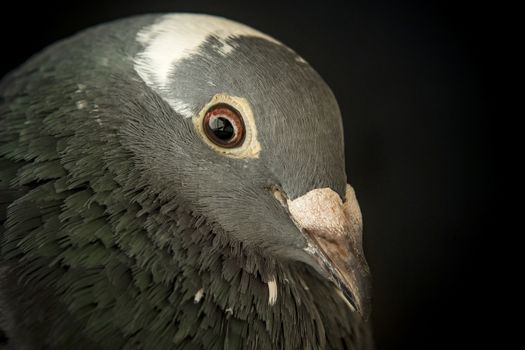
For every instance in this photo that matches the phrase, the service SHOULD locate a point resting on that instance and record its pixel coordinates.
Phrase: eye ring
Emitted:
(224, 126)
(246, 145)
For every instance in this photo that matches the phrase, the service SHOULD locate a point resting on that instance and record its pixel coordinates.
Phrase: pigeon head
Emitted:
(176, 181)
(251, 140)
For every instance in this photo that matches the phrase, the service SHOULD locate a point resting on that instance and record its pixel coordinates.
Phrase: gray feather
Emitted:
(115, 214)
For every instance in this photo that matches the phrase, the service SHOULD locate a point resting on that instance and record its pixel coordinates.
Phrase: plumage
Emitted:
(124, 227)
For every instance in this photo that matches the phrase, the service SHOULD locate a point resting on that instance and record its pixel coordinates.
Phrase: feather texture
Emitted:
(95, 254)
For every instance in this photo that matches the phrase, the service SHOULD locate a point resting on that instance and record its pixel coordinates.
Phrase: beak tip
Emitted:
(360, 299)
(365, 309)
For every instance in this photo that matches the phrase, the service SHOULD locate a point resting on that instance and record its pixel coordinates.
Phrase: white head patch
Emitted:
(177, 36)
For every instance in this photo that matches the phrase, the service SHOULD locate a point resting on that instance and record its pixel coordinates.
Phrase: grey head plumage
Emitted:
(176, 182)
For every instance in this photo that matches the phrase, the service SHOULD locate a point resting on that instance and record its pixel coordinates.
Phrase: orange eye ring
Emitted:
(224, 126)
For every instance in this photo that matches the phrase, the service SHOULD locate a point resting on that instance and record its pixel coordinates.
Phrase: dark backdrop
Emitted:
(409, 80)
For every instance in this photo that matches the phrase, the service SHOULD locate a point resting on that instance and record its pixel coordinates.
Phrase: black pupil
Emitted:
(222, 128)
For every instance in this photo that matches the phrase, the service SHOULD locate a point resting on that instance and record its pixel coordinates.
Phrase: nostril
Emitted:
(280, 195)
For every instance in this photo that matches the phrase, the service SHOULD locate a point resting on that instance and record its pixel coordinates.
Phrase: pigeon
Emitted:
(176, 181)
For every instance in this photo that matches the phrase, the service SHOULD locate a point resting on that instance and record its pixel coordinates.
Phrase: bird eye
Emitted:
(224, 126)
(227, 125)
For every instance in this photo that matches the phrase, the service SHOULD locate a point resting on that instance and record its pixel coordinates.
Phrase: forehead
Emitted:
(185, 54)
(188, 59)
(178, 36)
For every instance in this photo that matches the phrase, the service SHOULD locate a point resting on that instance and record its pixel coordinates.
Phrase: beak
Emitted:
(333, 230)
(346, 267)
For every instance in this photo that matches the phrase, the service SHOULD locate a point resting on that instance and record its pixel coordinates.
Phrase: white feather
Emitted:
(272, 291)
(198, 296)
(177, 36)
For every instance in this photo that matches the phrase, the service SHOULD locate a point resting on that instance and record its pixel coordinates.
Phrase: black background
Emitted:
(409, 78)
